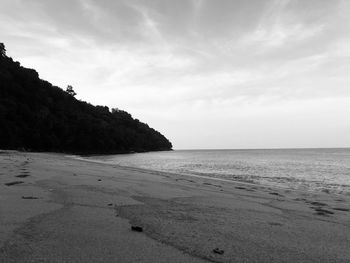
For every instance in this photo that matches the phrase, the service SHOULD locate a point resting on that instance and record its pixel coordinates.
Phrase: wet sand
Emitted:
(54, 208)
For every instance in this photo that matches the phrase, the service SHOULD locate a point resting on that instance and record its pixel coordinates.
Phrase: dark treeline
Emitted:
(37, 116)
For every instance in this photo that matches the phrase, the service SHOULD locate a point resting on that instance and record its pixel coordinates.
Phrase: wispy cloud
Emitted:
(279, 27)
(192, 64)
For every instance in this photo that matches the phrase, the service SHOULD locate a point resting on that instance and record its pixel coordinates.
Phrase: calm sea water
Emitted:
(326, 170)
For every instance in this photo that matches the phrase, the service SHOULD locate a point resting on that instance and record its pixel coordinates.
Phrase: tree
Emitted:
(70, 90)
(37, 116)
(2, 50)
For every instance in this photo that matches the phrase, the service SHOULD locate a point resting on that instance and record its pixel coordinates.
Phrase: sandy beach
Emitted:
(54, 208)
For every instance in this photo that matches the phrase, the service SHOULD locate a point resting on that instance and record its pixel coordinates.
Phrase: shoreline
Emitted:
(81, 211)
(204, 177)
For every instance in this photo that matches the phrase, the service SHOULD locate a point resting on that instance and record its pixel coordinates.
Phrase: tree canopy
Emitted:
(71, 91)
(37, 116)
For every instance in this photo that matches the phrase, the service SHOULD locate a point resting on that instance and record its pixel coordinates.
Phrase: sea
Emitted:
(325, 170)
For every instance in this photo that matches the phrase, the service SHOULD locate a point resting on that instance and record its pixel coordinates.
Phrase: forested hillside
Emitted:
(37, 116)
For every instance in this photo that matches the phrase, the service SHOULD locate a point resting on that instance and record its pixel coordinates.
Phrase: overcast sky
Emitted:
(205, 73)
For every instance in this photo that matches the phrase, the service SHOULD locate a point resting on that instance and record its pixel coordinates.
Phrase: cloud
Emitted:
(279, 27)
(191, 63)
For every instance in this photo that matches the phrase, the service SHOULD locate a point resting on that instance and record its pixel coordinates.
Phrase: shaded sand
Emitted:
(68, 210)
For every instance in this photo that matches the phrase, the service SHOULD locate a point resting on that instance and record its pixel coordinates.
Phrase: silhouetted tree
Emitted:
(35, 115)
(2, 50)
(71, 91)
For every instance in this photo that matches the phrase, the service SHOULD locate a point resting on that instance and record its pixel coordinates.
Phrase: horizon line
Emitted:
(276, 148)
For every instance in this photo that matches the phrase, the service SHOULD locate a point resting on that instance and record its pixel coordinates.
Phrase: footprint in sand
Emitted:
(317, 203)
(275, 193)
(341, 209)
(275, 224)
(244, 188)
(319, 208)
(22, 175)
(300, 199)
(30, 197)
(14, 183)
(322, 211)
(216, 185)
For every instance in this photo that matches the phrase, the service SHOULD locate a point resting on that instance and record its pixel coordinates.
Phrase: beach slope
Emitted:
(54, 208)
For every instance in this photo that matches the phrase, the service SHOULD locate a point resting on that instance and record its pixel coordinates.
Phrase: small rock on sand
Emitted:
(136, 228)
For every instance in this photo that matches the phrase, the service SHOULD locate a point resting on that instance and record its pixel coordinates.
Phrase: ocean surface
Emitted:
(326, 170)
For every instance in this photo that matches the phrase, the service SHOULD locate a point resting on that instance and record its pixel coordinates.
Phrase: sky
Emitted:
(208, 74)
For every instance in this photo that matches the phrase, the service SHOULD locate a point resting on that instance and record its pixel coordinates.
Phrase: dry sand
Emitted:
(67, 210)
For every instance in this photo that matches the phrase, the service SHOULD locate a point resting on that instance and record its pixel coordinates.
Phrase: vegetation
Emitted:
(37, 116)
(70, 91)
